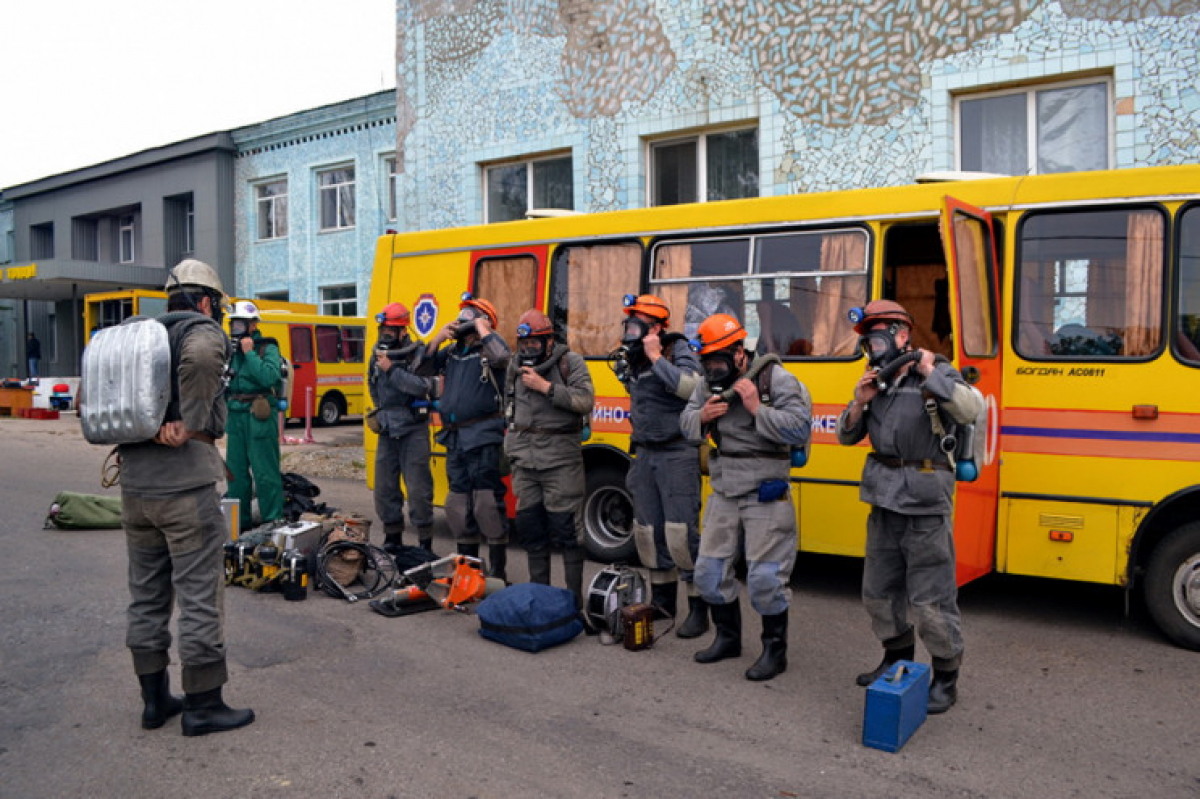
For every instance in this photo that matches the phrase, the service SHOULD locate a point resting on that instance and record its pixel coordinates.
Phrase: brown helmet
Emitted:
(649, 305)
(534, 323)
(882, 311)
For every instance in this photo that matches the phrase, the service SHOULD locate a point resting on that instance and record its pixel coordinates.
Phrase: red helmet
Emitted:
(534, 323)
(649, 305)
(393, 315)
(483, 306)
(718, 332)
(882, 311)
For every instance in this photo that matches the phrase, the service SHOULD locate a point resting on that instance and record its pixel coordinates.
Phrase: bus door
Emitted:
(304, 372)
(513, 281)
(969, 242)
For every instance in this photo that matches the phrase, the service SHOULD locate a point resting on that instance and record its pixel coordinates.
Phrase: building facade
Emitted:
(508, 106)
(313, 192)
(112, 226)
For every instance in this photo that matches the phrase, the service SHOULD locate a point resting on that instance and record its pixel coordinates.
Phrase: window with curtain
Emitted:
(587, 285)
(336, 188)
(721, 165)
(271, 199)
(1091, 284)
(1059, 128)
(1186, 338)
(512, 189)
(791, 291)
(510, 284)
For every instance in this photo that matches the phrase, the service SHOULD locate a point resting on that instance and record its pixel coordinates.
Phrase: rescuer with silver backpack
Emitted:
(174, 528)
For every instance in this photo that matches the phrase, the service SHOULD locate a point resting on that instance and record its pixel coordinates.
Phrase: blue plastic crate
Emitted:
(896, 706)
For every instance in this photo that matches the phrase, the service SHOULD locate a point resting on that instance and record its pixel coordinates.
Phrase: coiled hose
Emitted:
(376, 575)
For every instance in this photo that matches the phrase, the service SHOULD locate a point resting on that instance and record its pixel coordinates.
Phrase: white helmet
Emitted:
(192, 273)
(244, 309)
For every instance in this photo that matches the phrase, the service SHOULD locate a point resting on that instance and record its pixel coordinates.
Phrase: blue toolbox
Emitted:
(896, 705)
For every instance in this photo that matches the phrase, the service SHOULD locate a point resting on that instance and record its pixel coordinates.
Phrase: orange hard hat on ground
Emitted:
(718, 332)
(649, 305)
(483, 306)
(882, 311)
(534, 323)
(393, 315)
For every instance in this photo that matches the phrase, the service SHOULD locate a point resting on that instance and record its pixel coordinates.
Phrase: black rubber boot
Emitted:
(425, 538)
(470, 550)
(207, 712)
(573, 573)
(890, 656)
(663, 599)
(393, 538)
(696, 624)
(156, 696)
(943, 692)
(728, 642)
(773, 660)
(498, 561)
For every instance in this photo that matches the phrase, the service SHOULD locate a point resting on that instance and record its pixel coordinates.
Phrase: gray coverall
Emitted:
(174, 530)
(909, 483)
(543, 446)
(751, 450)
(402, 399)
(664, 478)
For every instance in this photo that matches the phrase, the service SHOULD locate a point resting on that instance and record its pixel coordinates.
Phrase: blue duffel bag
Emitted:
(529, 616)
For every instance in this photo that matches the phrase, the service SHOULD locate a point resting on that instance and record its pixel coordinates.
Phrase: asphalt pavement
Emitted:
(1062, 694)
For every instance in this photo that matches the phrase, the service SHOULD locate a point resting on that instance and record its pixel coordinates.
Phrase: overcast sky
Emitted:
(85, 81)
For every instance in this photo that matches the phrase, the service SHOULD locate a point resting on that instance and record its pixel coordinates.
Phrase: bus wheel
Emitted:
(608, 517)
(330, 411)
(1173, 585)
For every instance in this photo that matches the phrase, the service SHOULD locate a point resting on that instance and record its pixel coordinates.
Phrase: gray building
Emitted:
(108, 227)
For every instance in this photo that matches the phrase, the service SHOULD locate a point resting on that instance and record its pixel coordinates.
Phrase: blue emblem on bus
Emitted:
(425, 314)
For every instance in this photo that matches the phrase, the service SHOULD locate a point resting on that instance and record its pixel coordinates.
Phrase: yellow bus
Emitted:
(107, 308)
(1071, 301)
(326, 365)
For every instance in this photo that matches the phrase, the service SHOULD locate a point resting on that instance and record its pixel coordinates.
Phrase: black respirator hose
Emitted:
(888, 372)
(378, 572)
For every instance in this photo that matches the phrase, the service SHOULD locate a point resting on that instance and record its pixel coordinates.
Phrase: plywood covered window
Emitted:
(587, 286)
(510, 284)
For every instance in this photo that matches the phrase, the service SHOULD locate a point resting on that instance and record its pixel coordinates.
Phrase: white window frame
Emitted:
(336, 188)
(389, 169)
(701, 139)
(336, 306)
(528, 164)
(1031, 92)
(274, 220)
(126, 239)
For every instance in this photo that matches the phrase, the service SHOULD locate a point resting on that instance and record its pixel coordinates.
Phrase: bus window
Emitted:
(510, 284)
(329, 340)
(353, 347)
(792, 291)
(1187, 320)
(1090, 283)
(587, 285)
(152, 306)
(302, 348)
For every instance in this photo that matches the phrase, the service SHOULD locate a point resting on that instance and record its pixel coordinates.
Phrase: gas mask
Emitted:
(633, 330)
(532, 350)
(391, 338)
(721, 370)
(880, 346)
(239, 328)
(464, 325)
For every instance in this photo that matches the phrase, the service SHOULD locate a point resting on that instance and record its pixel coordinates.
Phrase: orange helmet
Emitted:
(483, 306)
(718, 332)
(649, 305)
(393, 315)
(534, 323)
(879, 311)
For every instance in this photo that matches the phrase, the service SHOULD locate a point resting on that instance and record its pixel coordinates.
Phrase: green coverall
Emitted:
(253, 444)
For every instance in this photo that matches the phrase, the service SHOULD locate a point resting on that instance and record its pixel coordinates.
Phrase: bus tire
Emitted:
(608, 517)
(330, 410)
(1172, 587)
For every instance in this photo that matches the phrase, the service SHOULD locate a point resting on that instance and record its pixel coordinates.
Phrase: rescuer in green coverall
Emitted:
(252, 430)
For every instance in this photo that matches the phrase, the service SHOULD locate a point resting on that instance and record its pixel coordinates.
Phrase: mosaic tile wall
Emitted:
(359, 132)
(845, 93)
